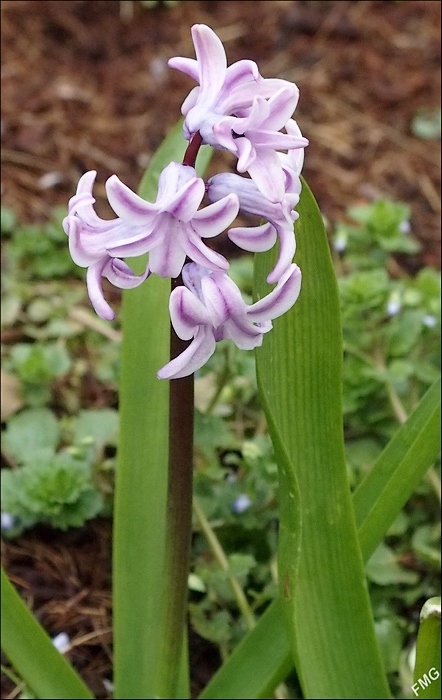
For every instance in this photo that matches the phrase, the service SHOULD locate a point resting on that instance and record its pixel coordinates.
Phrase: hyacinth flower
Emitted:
(236, 109)
(88, 237)
(209, 308)
(279, 217)
(170, 229)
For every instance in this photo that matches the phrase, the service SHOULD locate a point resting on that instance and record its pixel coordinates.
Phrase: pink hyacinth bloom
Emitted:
(173, 227)
(236, 109)
(88, 237)
(209, 308)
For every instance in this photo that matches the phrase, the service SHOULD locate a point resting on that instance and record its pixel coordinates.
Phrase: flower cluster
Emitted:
(232, 108)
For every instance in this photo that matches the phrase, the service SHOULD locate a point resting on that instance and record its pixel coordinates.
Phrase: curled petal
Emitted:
(287, 249)
(238, 77)
(280, 300)
(281, 105)
(246, 153)
(128, 205)
(244, 334)
(122, 276)
(200, 253)
(216, 217)
(255, 239)
(188, 199)
(192, 358)
(222, 298)
(189, 66)
(139, 244)
(187, 312)
(95, 291)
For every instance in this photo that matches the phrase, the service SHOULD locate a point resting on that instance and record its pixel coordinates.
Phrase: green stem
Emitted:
(179, 520)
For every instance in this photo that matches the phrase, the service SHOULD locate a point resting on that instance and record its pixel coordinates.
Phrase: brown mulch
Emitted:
(85, 85)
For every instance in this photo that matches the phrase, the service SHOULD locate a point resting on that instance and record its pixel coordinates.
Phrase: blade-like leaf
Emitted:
(408, 456)
(259, 663)
(388, 485)
(29, 648)
(141, 478)
(375, 504)
(427, 680)
(299, 370)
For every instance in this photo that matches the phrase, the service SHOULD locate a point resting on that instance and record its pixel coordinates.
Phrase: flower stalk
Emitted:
(178, 519)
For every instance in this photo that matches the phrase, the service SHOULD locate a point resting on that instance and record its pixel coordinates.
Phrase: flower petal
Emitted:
(192, 358)
(187, 312)
(128, 205)
(281, 105)
(222, 298)
(187, 200)
(167, 258)
(267, 174)
(120, 274)
(216, 217)
(189, 66)
(197, 251)
(255, 239)
(287, 249)
(281, 299)
(244, 334)
(212, 62)
(95, 291)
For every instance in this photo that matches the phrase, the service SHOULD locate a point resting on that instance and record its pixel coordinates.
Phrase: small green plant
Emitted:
(46, 483)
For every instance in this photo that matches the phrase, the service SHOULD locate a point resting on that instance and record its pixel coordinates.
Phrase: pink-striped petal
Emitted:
(187, 312)
(120, 274)
(95, 291)
(212, 62)
(193, 357)
(128, 205)
(216, 217)
(187, 200)
(167, 258)
(281, 299)
(267, 174)
(255, 239)
(200, 253)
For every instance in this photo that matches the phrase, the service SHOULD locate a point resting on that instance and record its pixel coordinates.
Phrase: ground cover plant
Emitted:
(385, 363)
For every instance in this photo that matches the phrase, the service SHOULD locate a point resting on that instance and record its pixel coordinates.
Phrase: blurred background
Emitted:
(86, 86)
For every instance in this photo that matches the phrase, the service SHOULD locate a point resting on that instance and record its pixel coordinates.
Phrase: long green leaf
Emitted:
(300, 377)
(29, 648)
(410, 453)
(396, 473)
(141, 479)
(375, 504)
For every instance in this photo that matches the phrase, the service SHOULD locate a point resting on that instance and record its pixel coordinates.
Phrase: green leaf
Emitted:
(29, 433)
(259, 663)
(100, 425)
(427, 677)
(141, 475)
(30, 650)
(398, 470)
(300, 377)
(378, 500)
(384, 569)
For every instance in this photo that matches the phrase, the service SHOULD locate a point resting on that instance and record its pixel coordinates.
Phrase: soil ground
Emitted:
(85, 85)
